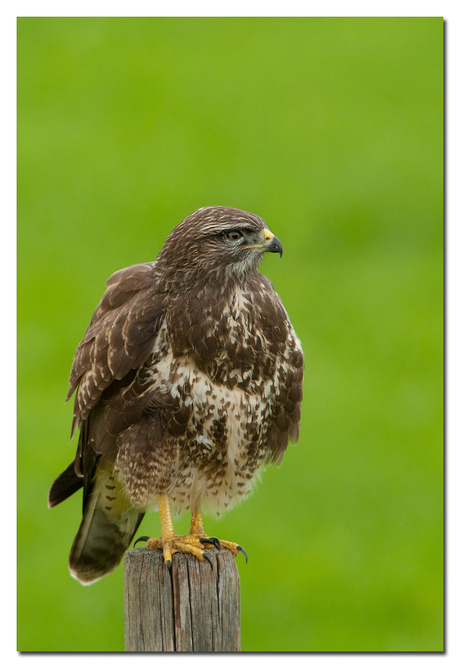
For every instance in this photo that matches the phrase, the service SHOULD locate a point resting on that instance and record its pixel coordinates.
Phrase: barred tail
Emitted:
(101, 541)
(64, 486)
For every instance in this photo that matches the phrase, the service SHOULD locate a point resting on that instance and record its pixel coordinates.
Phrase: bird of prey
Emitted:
(188, 381)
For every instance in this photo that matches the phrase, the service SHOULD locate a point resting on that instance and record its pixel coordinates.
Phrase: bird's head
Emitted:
(218, 240)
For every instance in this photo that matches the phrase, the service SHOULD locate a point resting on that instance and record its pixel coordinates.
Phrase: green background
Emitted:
(331, 129)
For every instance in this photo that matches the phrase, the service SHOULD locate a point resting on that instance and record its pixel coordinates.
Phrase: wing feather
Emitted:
(119, 338)
(274, 322)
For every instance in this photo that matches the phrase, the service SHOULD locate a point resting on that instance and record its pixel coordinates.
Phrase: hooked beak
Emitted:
(272, 244)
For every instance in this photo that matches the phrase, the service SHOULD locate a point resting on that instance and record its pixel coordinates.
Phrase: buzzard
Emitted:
(188, 380)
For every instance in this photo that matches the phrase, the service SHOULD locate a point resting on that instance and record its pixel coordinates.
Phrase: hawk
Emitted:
(188, 381)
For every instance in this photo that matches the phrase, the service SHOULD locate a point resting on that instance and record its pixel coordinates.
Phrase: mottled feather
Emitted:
(187, 381)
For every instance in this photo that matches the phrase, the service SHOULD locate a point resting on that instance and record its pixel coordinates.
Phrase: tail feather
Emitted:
(101, 541)
(64, 486)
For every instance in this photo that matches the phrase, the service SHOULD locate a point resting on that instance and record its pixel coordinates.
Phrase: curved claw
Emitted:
(169, 565)
(206, 556)
(241, 549)
(211, 539)
(141, 538)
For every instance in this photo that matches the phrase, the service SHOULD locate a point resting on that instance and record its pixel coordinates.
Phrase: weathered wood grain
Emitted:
(195, 608)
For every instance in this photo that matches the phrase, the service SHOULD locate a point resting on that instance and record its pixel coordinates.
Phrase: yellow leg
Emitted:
(167, 527)
(197, 530)
(196, 525)
(169, 542)
(193, 543)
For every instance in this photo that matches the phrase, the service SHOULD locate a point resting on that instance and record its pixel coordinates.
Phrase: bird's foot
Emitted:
(191, 543)
(233, 547)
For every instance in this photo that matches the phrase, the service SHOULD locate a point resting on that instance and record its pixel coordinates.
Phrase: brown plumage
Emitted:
(188, 381)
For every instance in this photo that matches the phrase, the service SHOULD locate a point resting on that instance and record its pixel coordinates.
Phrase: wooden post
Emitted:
(195, 608)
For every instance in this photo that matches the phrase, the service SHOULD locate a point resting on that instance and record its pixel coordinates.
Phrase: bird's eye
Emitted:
(233, 235)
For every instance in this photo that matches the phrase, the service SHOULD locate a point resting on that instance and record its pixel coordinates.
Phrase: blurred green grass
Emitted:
(331, 130)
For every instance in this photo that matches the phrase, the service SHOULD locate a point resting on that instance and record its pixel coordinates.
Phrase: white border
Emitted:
(8, 269)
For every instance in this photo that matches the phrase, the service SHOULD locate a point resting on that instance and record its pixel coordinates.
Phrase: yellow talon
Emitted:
(195, 542)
